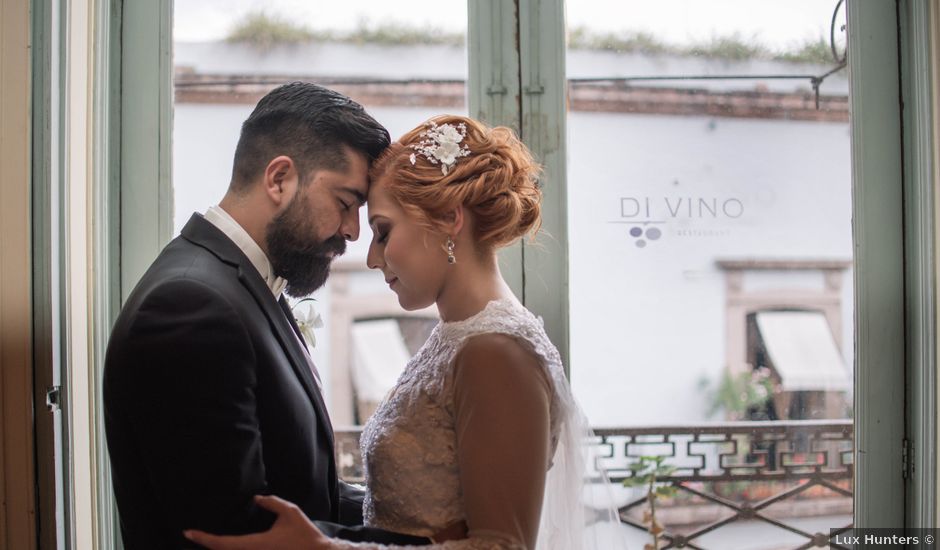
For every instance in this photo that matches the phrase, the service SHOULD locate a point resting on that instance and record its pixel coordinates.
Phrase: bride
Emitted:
(480, 439)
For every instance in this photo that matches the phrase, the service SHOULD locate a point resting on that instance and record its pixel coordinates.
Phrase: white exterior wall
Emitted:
(647, 323)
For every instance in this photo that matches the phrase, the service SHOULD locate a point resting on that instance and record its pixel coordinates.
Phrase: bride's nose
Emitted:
(374, 259)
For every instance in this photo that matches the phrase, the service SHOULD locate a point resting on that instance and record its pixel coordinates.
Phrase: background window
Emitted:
(710, 241)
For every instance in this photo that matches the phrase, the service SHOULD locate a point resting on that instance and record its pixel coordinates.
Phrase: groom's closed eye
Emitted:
(352, 197)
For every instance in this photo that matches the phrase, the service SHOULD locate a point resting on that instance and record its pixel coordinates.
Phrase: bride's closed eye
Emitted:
(381, 234)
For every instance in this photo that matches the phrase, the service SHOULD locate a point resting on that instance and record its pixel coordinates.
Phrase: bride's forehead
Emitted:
(381, 200)
(375, 195)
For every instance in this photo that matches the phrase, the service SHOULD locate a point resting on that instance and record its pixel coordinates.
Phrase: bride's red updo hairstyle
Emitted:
(497, 181)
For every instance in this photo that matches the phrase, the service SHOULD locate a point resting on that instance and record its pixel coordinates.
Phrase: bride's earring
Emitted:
(451, 259)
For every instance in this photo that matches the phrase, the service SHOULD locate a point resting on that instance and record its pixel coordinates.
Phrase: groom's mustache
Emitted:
(335, 245)
(306, 267)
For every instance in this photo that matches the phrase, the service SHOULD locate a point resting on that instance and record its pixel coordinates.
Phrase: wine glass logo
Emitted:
(643, 236)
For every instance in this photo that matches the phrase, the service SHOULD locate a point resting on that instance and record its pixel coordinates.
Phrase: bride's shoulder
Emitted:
(489, 346)
(496, 356)
(504, 332)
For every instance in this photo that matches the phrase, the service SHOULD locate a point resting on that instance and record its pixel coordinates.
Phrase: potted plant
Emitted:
(647, 472)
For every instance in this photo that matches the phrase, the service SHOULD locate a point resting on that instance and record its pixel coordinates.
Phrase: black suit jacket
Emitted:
(209, 400)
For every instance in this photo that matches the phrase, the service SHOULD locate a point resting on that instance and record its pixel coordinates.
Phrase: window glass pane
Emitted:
(709, 203)
(404, 61)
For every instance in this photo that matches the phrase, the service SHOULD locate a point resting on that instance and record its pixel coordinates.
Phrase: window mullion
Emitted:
(493, 90)
(543, 87)
(920, 259)
(879, 263)
(146, 132)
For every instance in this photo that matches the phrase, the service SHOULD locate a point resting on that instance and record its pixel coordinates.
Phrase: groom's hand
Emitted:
(454, 531)
(292, 531)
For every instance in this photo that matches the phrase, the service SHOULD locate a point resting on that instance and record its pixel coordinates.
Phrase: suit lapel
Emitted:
(203, 233)
(307, 361)
(285, 333)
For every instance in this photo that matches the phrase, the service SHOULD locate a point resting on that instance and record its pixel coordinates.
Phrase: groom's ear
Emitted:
(281, 180)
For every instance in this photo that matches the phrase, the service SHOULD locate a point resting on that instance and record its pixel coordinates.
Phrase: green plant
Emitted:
(729, 46)
(392, 33)
(811, 51)
(646, 473)
(737, 394)
(263, 30)
(582, 38)
(732, 47)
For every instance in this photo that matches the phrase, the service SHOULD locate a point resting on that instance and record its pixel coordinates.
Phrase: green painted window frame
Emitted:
(895, 274)
(878, 234)
(893, 188)
(48, 159)
(107, 252)
(50, 59)
(517, 78)
(919, 147)
(146, 68)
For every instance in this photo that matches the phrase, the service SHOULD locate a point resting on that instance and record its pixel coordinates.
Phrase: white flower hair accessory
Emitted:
(442, 145)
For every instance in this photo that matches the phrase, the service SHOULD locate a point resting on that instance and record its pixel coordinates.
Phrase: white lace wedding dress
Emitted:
(410, 453)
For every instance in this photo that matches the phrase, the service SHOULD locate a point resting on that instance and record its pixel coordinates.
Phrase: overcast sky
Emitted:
(776, 23)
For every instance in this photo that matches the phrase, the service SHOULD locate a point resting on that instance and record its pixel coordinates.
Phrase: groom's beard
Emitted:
(296, 254)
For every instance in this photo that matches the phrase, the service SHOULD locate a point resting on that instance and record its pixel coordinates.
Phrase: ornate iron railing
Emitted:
(802, 468)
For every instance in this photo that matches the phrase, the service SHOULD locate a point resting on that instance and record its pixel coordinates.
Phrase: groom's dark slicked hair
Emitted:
(308, 123)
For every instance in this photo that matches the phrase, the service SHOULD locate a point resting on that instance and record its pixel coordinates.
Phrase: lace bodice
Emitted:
(409, 445)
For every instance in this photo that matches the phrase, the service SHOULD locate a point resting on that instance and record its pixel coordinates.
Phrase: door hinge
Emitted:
(496, 89)
(907, 458)
(53, 398)
(535, 89)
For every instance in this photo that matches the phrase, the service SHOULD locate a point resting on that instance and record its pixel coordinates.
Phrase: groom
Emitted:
(210, 396)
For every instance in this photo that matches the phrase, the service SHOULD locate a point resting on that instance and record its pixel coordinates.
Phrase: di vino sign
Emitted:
(650, 217)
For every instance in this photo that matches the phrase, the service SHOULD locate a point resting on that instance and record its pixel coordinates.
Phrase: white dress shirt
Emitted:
(227, 224)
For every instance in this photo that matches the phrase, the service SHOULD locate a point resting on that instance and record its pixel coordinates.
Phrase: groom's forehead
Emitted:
(352, 176)
(360, 188)
(353, 187)
(379, 195)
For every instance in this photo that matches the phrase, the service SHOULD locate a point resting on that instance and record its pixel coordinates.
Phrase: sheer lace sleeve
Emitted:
(502, 398)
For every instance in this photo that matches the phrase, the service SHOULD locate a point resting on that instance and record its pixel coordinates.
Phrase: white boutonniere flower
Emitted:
(307, 320)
